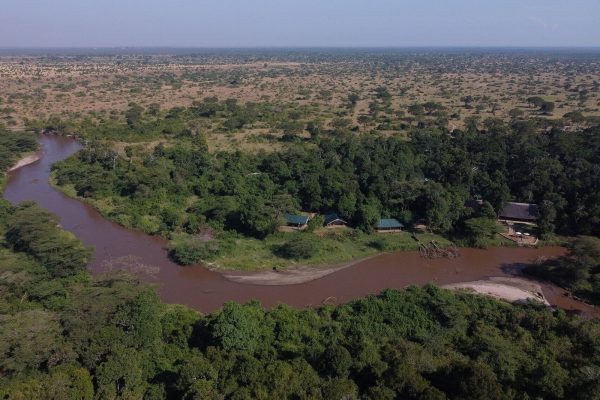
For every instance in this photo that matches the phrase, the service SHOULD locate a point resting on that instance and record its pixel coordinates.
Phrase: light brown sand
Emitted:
(514, 290)
(30, 159)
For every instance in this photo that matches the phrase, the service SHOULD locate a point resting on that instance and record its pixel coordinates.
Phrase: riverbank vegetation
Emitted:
(234, 251)
(69, 335)
(12, 146)
(177, 187)
(578, 271)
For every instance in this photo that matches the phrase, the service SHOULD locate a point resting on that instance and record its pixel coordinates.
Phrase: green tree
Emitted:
(347, 205)
(28, 340)
(193, 250)
(302, 246)
(368, 216)
(256, 217)
(121, 375)
(36, 232)
(480, 231)
(238, 327)
(336, 361)
(487, 211)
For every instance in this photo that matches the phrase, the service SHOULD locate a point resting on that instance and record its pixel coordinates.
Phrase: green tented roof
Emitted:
(329, 218)
(296, 219)
(389, 223)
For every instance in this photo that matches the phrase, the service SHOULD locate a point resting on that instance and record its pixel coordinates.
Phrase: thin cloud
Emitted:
(542, 23)
(538, 21)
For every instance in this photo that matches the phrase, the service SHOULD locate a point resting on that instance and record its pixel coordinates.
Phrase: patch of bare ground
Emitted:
(30, 159)
(514, 290)
(289, 276)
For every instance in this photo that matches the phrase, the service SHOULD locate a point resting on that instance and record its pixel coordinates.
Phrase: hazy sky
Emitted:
(247, 23)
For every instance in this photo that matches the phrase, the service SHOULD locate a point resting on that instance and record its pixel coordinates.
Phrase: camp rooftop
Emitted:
(333, 220)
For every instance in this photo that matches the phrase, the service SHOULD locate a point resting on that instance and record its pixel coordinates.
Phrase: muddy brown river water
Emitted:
(206, 290)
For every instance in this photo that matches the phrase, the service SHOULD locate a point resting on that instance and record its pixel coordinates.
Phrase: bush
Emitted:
(191, 250)
(12, 145)
(300, 247)
(316, 223)
(480, 231)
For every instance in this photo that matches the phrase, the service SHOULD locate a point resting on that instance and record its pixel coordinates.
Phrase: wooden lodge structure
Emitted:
(515, 217)
(388, 225)
(519, 213)
(512, 212)
(334, 221)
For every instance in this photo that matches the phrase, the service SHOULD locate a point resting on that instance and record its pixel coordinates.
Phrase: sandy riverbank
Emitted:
(288, 276)
(514, 290)
(511, 289)
(30, 159)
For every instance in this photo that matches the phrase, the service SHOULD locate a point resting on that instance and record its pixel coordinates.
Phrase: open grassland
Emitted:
(325, 87)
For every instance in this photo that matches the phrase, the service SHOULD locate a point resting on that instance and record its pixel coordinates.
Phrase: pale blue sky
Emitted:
(260, 23)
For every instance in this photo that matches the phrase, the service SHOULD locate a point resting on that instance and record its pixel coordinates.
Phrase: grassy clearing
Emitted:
(332, 247)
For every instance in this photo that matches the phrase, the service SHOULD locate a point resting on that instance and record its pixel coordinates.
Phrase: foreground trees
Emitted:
(74, 336)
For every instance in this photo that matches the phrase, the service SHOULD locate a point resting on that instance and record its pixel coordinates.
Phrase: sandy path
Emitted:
(514, 290)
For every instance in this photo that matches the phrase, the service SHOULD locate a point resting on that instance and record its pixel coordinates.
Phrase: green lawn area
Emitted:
(332, 247)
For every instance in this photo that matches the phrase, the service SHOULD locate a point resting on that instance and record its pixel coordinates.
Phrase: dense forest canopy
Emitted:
(68, 335)
(428, 176)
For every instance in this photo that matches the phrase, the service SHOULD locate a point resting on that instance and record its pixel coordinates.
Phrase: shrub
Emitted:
(316, 223)
(300, 247)
(193, 250)
(480, 231)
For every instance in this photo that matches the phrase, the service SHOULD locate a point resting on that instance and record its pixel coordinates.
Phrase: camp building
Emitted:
(389, 225)
(519, 212)
(334, 221)
(299, 222)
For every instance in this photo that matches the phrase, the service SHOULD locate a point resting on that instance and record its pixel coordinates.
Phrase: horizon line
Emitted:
(2, 47)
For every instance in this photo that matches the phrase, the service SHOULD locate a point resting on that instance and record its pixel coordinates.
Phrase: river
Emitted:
(206, 290)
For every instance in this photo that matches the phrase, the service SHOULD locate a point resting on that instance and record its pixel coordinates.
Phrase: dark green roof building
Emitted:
(389, 224)
(334, 220)
(296, 220)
